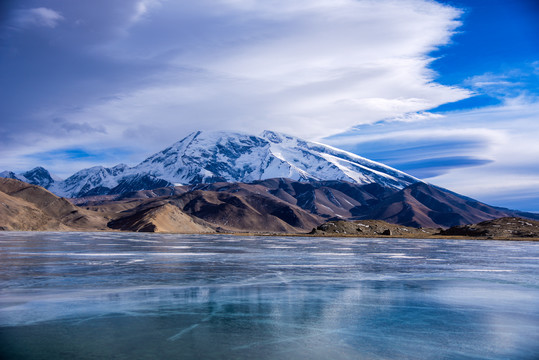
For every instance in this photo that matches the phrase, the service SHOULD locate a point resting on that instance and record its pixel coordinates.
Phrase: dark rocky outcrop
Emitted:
(368, 228)
(502, 228)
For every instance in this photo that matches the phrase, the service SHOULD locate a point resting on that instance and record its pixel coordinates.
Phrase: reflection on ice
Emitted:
(484, 270)
(332, 253)
(406, 257)
(265, 298)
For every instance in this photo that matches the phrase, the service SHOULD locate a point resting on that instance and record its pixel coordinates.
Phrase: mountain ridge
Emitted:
(418, 205)
(268, 206)
(214, 156)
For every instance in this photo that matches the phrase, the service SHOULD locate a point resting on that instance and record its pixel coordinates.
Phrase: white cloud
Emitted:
(433, 132)
(310, 68)
(505, 136)
(515, 169)
(43, 17)
(141, 9)
(515, 85)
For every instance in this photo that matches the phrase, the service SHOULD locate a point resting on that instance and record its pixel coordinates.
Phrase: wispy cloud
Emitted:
(40, 17)
(508, 86)
(491, 154)
(74, 127)
(141, 9)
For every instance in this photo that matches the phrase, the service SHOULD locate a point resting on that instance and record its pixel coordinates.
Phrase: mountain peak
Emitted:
(38, 169)
(215, 156)
(9, 175)
(210, 156)
(274, 136)
(39, 176)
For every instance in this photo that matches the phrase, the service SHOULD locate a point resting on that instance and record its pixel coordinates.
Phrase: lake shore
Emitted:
(441, 237)
(301, 235)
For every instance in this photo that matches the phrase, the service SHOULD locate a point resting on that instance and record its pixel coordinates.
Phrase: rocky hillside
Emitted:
(252, 209)
(369, 228)
(30, 207)
(425, 205)
(502, 228)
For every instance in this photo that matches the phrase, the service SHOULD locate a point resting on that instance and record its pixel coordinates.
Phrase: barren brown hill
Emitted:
(160, 217)
(273, 205)
(419, 205)
(323, 198)
(234, 207)
(326, 199)
(424, 205)
(17, 214)
(253, 206)
(30, 207)
(246, 211)
(228, 206)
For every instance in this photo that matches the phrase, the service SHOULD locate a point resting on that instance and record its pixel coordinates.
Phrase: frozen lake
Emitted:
(148, 296)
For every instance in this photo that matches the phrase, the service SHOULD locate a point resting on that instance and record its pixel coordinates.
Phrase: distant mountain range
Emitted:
(208, 157)
(213, 181)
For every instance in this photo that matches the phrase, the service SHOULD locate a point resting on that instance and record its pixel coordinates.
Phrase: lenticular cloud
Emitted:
(160, 70)
(307, 68)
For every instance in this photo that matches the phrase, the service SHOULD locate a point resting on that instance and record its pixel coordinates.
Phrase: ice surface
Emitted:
(216, 297)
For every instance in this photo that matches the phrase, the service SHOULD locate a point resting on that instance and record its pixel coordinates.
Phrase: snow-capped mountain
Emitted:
(224, 156)
(11, 175)
(41, 177)
(99, 180)
(37, 176)
(211, 156)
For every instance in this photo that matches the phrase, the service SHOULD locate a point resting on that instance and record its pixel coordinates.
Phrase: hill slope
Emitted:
(30, 207)
(157, 217)
(424, 205)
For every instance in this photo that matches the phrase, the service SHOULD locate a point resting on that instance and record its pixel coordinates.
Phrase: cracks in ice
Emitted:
(190, 328)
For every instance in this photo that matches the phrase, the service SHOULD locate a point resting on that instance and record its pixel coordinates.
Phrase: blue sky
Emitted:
(445, 90)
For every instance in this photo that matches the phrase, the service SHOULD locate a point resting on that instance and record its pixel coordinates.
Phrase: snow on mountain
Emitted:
(89, 181)
(37, 176)
(226, 156)
(212, 156)
(12, 175)
(99, 180)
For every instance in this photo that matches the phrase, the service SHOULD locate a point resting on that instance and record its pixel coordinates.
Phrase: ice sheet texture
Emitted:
(107, 295)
